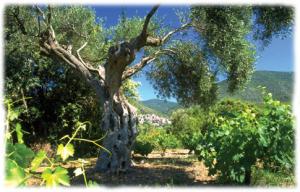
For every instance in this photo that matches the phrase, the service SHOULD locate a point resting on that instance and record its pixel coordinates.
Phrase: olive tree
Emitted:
(183, 68)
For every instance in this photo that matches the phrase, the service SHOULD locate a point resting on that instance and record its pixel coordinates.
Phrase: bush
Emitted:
(143, 147)
(278, 139)
(166, 140)
(230, 142)
(145, 141)
(239, 134)
(187, 125)
(151, 137)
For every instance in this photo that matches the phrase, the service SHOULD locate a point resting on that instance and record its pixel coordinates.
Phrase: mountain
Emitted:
(143, 109)
(162, 106)
(280, 84)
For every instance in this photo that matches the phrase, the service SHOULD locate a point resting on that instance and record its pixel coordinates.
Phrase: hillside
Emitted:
(164, 107)
(280, 84)
(143, 109)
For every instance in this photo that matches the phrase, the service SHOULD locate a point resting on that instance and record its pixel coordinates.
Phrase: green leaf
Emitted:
(242, 178)
(263, 141)
(39, 158)
(65, 151)
(15, 175)
(9, 148)
(13, 114)
(7, 136)
(20, 153)
(19, 133)
(59, 176)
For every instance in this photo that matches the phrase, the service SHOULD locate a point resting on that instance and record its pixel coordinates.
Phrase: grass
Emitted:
(266, 178)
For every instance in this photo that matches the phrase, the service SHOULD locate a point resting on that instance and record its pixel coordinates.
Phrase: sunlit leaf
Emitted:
(65, 151)
(13, 114)
(38, 159)
(7, 136)
(59, 176)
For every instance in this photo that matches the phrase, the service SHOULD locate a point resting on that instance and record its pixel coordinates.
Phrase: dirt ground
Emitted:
(174, 168)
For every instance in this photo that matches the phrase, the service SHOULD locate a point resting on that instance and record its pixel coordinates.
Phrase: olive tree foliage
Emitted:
(184, 74)
(224, 46)
(272, 21)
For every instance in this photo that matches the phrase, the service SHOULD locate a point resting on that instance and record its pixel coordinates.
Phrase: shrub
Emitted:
(166, 140)
(239, 134)
(230, 142)
(145, 141)
(278, 139)
(187, 125)
(143, 147)
(151, 137)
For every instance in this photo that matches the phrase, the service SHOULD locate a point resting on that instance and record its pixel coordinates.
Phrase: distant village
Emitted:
(153, 119)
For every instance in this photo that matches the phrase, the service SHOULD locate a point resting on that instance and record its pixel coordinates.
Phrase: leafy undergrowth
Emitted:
(175, 168)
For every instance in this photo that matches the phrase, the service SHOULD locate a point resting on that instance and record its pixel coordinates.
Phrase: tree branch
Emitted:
(87, 65)
(139, 41)
(158, 41)
(51, 48)
(147, 20)
(137, 67)
(166, 37)
(78, 50)
(49, 16)
(40, 12)
(144, 61)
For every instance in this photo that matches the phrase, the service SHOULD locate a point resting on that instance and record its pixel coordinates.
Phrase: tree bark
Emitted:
(119, 121)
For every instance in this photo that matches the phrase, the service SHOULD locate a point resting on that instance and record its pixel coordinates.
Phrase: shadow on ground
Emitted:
(155, 171)
(164, 160)
(141, 176)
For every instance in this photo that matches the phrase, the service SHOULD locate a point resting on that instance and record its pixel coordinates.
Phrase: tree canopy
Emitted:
(225, 44)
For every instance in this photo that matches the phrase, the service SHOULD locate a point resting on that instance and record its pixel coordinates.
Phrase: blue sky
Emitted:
(278, 56)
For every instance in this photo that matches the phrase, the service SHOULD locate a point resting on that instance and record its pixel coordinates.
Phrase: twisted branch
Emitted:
(144, 61)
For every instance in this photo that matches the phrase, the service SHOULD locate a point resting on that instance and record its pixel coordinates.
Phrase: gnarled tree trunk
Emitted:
(119, 121)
